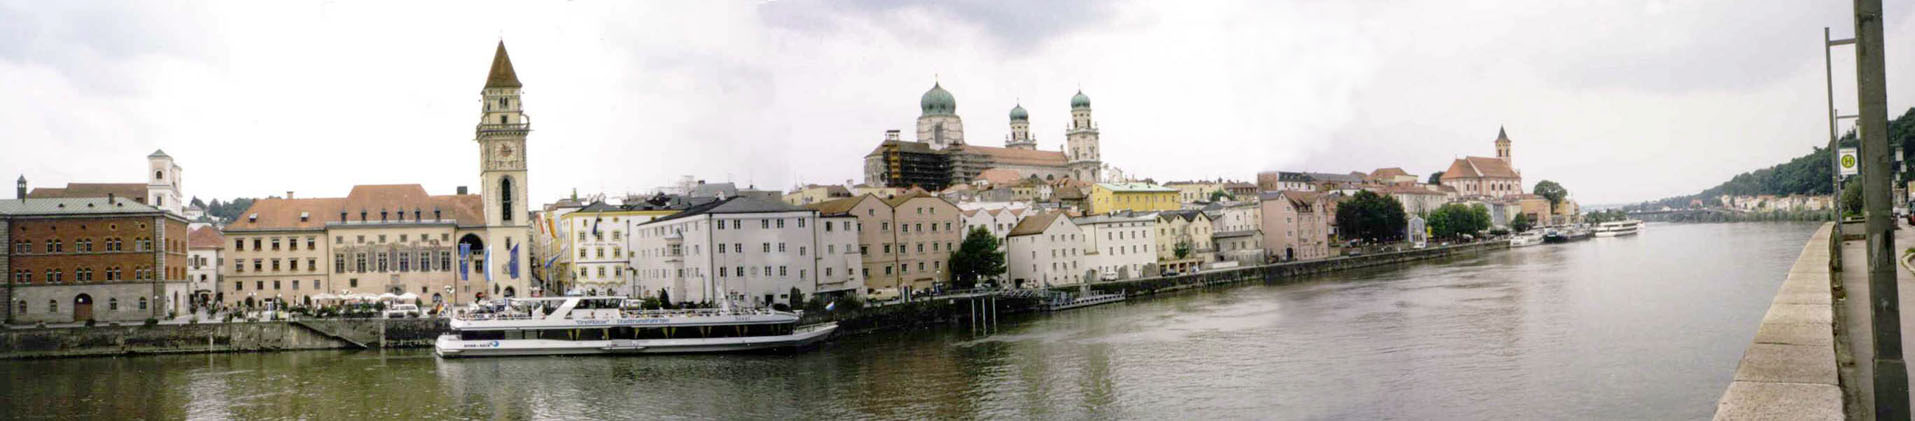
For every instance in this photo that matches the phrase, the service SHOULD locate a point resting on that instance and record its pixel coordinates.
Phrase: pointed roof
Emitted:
(1500, 135)
(502, 75)
(157, 153)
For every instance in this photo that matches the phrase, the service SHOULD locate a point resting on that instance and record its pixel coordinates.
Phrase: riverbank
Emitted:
(313, 334)
(1789, 371)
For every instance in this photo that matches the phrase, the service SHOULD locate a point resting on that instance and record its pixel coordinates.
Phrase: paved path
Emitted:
(1854, 278)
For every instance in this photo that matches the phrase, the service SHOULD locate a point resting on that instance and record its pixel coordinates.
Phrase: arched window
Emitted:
(158, 175)
(142, 303)
(505, 199)
(113, 304)
(501, 119)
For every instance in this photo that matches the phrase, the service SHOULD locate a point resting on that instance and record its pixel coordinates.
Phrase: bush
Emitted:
(152, 321)
(91, 322)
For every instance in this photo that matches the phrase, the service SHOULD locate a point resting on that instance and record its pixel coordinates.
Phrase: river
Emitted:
(1644, 327)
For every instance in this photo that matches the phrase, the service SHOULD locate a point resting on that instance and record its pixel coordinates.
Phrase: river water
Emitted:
(1644, 327)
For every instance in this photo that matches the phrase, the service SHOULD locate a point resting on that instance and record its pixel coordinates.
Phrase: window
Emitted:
(722, 271)
(239, 266)
(53, 306)
(339, 263)
(275, 243)
(259, 265)
(360, 262)
(504, 192)
(142, 303)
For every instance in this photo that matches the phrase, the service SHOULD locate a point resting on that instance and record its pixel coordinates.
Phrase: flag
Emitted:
(595, 227)
(831, 305)
(465, 257)
(487, 270)
(512, 263)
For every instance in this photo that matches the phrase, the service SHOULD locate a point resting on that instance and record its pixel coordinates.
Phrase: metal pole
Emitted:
(1835, 161)
(1891, 373)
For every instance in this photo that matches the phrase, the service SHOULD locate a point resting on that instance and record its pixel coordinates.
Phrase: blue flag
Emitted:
(465, 259)
(487, 270)
(512, 263)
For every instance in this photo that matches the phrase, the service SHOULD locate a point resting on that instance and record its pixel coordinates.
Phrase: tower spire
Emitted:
(502, 75)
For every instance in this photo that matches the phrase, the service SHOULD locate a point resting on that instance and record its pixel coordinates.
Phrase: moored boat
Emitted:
(1618, 228)
(1526, 239)
(613, 325)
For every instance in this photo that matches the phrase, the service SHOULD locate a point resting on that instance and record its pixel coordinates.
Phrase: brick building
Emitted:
(106, 259)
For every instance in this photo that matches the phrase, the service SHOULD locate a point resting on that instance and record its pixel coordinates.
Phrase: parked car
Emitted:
(402, 311)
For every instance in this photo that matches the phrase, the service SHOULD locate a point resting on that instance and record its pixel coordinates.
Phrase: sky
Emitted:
(1618, 101)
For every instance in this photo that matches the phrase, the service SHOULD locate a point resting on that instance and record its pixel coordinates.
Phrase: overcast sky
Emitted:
(1617, 100)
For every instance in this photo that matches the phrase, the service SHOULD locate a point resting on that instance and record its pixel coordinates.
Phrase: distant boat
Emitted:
(1526, 239)
(1618, 228)
(1556, 236)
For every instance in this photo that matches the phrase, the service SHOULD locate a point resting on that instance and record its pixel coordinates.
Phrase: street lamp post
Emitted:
(1891, 375)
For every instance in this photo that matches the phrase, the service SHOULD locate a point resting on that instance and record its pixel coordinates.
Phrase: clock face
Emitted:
(505, 150)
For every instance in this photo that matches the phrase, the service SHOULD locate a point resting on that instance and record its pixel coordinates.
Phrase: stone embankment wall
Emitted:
(1789, 372)
(215, 337)
(1285, 272)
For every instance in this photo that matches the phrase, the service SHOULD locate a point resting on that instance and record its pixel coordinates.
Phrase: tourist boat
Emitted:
(1526, 239)
(1069, 301)
(614, 325)
(1618, 228)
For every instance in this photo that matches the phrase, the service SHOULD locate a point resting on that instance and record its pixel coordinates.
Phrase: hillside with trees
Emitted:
(1808, 174)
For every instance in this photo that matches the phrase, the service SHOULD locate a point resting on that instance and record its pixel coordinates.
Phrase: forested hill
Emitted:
(1806, 174)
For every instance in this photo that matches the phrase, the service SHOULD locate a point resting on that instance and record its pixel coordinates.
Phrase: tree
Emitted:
(1182, 249)
(1220, 195)
(1852, 199)
(1552, 191)
(1371, 217)
(1602, 216)
(977, 258)
(1520, 223)
(1456, 219)
(1436, 178)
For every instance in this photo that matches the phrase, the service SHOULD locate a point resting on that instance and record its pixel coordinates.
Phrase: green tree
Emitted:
(1552, 191)
(1520, 223)
(976, 259)
(1852, 199)
(1456, 219)
(1371, 217)
(1221, 195)
(1436, 178)
(1183, 249)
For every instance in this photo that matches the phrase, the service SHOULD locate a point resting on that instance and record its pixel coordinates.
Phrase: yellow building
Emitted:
(1138, 197)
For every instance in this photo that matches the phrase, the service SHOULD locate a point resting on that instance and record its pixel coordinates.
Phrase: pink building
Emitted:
(1296, 225)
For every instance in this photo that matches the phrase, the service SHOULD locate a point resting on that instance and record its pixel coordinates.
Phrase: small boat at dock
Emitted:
(615, 325)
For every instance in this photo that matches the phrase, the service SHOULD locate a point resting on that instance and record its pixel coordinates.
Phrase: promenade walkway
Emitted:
(1855, 319)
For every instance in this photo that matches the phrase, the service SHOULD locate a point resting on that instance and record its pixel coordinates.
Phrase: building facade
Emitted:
(1239, 236)
(906, 240)
(80, 259)
(1189, 230)
(203, 260)
(1119, 246)
(1045, 250)
(1133, 197)
(940, 157)
(1296, 225)
(746, 248)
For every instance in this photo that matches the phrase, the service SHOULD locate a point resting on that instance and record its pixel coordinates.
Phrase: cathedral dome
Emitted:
(1018, 113)
(938, 101)
(1080, 101)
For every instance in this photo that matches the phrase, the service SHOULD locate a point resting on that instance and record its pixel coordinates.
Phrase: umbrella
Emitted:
(408, 296)
(325, 297)
(386, 296)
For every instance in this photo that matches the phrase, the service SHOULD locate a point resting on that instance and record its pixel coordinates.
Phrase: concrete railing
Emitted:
(1789, 372)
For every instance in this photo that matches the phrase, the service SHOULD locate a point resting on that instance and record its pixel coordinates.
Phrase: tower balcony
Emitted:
(495, 127)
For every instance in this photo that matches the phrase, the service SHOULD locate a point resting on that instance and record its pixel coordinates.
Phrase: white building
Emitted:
(1119, 246)
(1239, 235)
(746, 246)
(1045, 250)
(203, 245)
(998, 221)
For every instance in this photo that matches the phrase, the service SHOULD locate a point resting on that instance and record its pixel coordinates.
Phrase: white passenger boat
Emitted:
(1525, 239)
(613, 325)
(1618, 228)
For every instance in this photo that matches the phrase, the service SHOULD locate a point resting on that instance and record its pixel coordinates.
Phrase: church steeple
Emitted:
(502, 75)
(1502, 147)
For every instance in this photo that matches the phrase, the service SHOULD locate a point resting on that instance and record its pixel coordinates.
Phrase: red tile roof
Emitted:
(1030, 157)
(135, 191)
(1477, 167)
(205, 237)
(403, 199)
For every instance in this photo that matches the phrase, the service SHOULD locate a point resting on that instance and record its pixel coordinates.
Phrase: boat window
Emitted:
(481, 335)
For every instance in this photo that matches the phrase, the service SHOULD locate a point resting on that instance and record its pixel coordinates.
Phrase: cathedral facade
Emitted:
(940, 157)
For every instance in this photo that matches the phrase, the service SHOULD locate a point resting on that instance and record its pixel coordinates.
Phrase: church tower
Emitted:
(1081, 142)
(938, 124)
(1502, 148)
(1020, 130)
(163, 189)
(501, 133)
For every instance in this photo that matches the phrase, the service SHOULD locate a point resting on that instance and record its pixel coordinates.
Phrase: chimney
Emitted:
(891, 135)
(289, 195)
(109, 197)
(461, 189)
(20, 187)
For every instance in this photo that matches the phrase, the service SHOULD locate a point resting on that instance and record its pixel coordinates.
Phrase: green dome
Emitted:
(937, 101)
(1018, 113)
(1080, 101)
